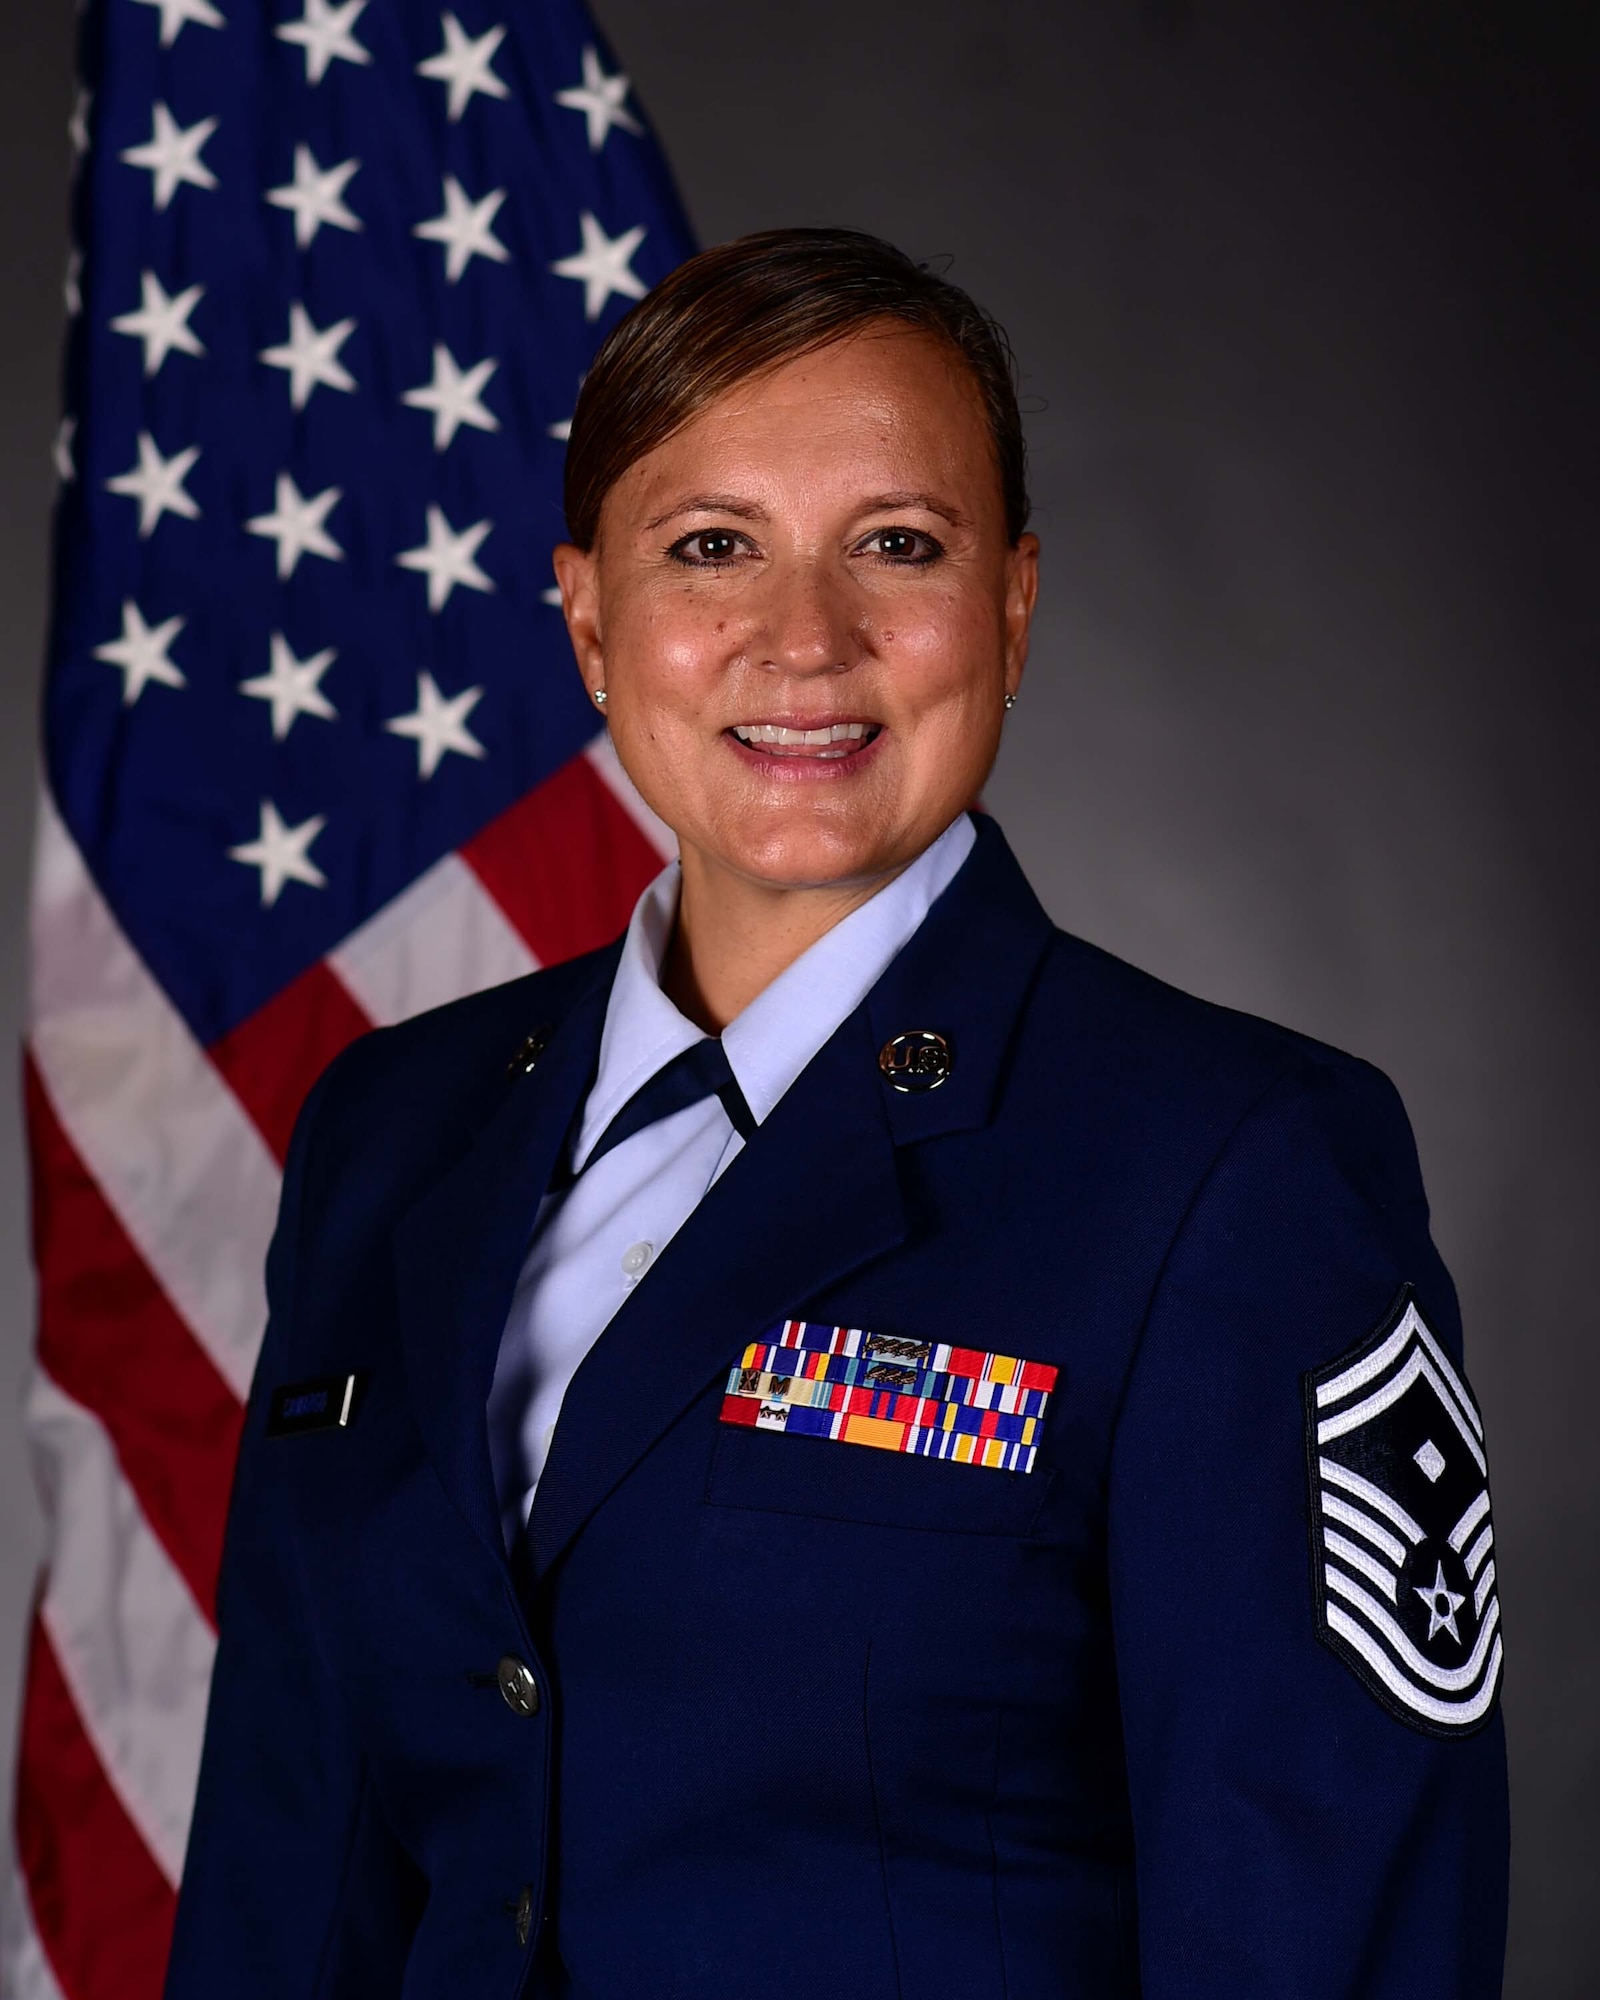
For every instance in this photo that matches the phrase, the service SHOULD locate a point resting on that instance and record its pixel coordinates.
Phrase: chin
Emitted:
(807, 851)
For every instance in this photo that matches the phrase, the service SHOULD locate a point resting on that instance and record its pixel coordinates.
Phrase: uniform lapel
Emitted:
(814, 1196)
(459, 1249)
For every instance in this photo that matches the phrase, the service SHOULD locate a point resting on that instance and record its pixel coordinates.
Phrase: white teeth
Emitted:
(772, 734)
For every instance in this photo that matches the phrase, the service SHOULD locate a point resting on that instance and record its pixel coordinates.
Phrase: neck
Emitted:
(734, 936)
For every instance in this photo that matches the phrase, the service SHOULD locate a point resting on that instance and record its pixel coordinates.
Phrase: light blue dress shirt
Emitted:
(593, 1243)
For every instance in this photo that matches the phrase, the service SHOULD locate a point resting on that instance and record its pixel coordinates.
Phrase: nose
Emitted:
(807, 625)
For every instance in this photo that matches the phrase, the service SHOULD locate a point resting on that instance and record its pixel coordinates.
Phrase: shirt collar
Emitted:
(770, 1043)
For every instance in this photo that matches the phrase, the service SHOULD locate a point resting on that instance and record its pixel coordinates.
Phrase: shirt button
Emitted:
(518, 1688)
(636, 1259)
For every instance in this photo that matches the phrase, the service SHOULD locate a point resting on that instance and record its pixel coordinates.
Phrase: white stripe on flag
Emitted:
(605, 761)
(134, 1647)
(174, 1152)
(27, 1970)
(442, 937)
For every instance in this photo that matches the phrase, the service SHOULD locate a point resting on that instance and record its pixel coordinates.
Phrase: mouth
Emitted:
(818, 743)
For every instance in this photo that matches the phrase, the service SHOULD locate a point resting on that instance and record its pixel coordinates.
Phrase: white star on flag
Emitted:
(294, 687)
(446, 558)
(78, 123)
(296, 524)
(326, 34)
(177, 14)
(157, 484)
(315, 197)
(454, 396)
(602, 99)
(311, 357)
(141, 653)
(61, 451)
(171, 155)
(464, 65)
(438, 726)
(162, 323)
(466, 228)
(280, 852)
(603, 265)
(71, 291)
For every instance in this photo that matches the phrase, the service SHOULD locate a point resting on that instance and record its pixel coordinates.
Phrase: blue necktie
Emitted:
(699, 1072)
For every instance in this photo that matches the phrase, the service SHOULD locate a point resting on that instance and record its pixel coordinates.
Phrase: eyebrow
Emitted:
(709, 503)
(883, 503)
(745, 510)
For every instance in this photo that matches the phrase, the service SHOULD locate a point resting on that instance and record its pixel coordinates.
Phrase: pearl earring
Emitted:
(1011, 702)
(599, 697)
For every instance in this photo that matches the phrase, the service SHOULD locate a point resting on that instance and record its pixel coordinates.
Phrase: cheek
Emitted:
(660, 646)
(942, 613)
(939, 646)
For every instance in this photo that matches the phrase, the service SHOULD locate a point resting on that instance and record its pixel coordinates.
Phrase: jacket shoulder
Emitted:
(1179, 1049)
(1166, 1091)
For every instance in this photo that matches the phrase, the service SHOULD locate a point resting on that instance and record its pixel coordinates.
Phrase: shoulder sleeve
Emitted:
(1315, 1813)
(292, 1882)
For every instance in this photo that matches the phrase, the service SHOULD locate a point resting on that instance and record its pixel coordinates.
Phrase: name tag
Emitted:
(327, 1404)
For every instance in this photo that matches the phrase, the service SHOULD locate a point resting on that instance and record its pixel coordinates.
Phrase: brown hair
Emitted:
(753, 304)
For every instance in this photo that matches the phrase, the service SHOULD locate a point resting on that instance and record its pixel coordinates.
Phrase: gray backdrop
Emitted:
(1302, 297)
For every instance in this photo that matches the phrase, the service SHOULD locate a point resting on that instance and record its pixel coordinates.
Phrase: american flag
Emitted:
(316, 758)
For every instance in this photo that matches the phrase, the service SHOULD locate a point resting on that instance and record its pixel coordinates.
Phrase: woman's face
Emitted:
(805, 614)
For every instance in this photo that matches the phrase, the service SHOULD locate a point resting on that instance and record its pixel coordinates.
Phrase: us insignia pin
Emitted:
(1402, 1535)
(916, 1061)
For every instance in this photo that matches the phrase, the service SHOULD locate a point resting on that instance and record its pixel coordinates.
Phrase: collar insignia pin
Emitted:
(916, 1061)
(526, 1058)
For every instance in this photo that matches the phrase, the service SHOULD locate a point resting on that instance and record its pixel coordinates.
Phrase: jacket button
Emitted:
(522, 1914)
(518, 1688)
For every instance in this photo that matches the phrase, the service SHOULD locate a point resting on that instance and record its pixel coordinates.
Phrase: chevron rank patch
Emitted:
(1402, 1535)
(892, 1393)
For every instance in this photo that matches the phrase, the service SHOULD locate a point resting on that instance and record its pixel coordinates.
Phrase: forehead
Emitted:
(870, 410)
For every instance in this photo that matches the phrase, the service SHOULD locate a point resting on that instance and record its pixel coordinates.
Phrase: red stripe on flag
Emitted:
(273, 1057)
(111, 1339)
(566, 863)
(102, 1907)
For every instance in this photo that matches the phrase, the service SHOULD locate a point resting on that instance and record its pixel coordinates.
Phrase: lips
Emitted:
(828, 742)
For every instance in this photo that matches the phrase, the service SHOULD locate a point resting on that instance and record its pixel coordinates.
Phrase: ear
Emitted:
(577, 572)
(1022, 589)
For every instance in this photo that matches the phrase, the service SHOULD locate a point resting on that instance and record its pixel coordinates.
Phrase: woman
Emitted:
(891, 1454)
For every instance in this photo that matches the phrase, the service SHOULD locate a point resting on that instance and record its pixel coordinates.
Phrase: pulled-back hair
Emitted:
(752, 305)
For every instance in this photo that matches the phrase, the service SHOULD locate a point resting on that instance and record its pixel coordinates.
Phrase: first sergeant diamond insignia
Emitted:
(1401, 1531)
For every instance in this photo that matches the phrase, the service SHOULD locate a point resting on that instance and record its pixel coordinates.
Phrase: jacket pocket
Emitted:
(776, 1473)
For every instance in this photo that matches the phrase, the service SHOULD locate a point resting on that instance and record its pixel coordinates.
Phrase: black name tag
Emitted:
(327, 1404)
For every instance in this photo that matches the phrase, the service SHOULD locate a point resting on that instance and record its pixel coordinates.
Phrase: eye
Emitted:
(708, 548)
(904, 546)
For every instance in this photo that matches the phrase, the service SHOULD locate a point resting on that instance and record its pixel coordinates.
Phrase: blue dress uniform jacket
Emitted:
(809, 1718)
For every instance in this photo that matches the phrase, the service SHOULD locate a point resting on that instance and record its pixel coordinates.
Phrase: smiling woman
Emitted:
(799, 582)
(880, 1411)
